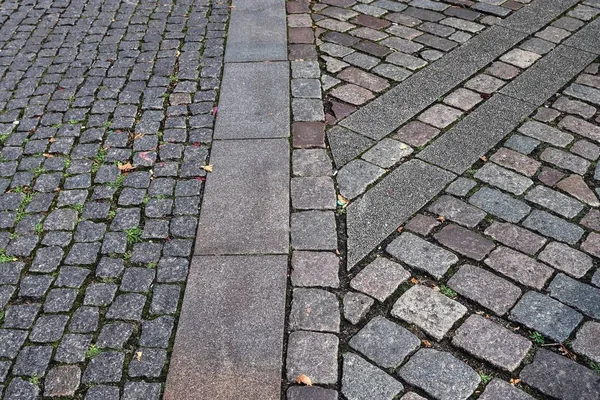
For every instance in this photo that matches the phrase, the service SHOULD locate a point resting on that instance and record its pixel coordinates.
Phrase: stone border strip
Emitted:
(229, 341)
(382, 116)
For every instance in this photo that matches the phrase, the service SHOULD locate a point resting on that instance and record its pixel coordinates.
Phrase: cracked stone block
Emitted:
(458, 211)
(491, 342)
(519, 267)
(583, 297)
(485, 288)
(555, 227)
(429, 310)
(566, 259)
(315, 310)
(387, 152)
(464, 241)
(315, 269)
(314, 355)
(421, 254)
(314, 230)
(354, 178)
(356, 306)
(498, 390)
(585, 342)
(362, 381)
(503, 178)
(62, 381)
(559, 377)
(380, 278)
(440, 375)
(546, 315)
(313, 193)
(384, 342)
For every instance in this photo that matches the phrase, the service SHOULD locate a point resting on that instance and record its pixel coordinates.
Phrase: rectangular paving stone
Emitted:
(503, 178)
(457, 211)
(386, 206)
(583, 297)
(421, 254)
(254, 101)
(516, 161)
(485, 288)
(461, 146)
(548, 75)
(586, 341)
(555, 227)
(500, 204)
(466, 242)
(498, 389)
(380, 278)
(536, 15)
(255, 217)
(565, 160)
(398, 105)
(230, 335)
(545, 315)
(491, 342)
(566, 259)
(561, 378)
(429, 310)
(245, 43)
(546, 133)
(519, 267)
(551, 199)
(516, 237)
(313, 354)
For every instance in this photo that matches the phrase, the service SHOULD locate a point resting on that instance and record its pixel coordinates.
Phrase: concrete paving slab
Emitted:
(246, 199)
(254, 101)
(230, 335)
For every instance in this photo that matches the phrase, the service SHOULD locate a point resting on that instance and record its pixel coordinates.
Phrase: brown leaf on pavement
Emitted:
(303, 379)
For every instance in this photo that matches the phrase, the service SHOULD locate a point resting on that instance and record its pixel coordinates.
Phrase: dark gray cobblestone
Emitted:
(106, 115)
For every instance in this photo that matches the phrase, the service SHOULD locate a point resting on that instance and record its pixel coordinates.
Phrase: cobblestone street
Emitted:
(300, 200)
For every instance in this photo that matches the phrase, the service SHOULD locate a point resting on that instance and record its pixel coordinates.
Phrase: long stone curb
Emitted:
(229, 339)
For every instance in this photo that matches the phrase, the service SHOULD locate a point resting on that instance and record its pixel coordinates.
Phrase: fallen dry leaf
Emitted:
(303, 379)
(48, 155)
(207, 168)
(414, 281)
(426, 343)
(138, 355)
(400, 228)
(514, 381)
(138, 136)
(483, 158)
(342, 201)
(52, 140)
(125, 167)
(441, 218)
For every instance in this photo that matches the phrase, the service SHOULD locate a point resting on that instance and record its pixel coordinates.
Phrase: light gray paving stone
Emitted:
(380, 278)
(461, 186)
(247, 44)
(307, 109)
(429, 310)
(560, 378)
(457, 211)
(314, 310)
(315, 269)
(586, 342)
(463, 99)
(500, 204)
(346, 145)
(566, 259)
(356, 306)
(385, 207)
(503, 178)
(217, 296)
(519, 267)
(522, 144)
(313, 230)
(248, 90)
(520, 58)
(385, 343)
(387, 152)
(574, 107)
(458, 149)
(565, 160)
(354, 178)
(546, 133)
(555, 227)
(546, 315)
(497, 389)
(392, 72)
(363, 381)
(439, 115)
(312, 354)
(548, 75)
(491, 342)
(485, 288)
(305, 69)
(440, 375)
(555, 201)
(255, 219)
(313, 193)
(311, 162)
(306, 88)
(584, 93)
(420, 254)
(516, 237)
(583, 297)
(580, 127)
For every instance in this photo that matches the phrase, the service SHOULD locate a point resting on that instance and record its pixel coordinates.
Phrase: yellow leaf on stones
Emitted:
(303, 379)
(514, 381)
(426, 343)
(441, 218)
(414, 281)
(399, 229)
(138, 136)
(483, 158)
(207, 168)
(48, 155)
(138, 355)
(125, 167)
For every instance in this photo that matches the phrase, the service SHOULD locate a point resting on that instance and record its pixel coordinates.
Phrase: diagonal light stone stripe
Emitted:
(587, 39)
(254, 101)
(257, 31)
(536, 15)
(460, 147)
(385, 207)
(543, 79)
(230, 335)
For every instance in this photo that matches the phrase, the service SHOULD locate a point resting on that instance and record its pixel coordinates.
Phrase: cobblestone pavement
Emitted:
(105, 127)
(460, 257)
